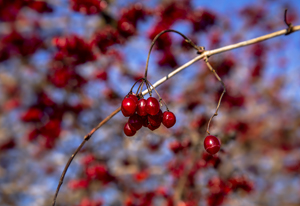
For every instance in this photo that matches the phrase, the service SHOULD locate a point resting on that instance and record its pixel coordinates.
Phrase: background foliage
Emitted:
(66, 64)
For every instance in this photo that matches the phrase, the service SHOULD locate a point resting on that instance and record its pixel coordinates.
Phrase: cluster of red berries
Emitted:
(212, 144)
(145, 113)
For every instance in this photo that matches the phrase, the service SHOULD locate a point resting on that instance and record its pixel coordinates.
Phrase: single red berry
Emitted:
(135, 122)
(212, 144)
(141, 107)
(145, 121)
(155, 120)
(131, 96)
(152, 128)
(128, 107)
(169, 119)
(152, 106)
(128, 131)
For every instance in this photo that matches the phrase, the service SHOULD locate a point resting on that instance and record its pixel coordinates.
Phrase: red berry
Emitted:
(169, 119)
(128, 107)
(135, 122)
(176, 146)
(141, 107)
(151, 127)
(152, 106)
(131, 96)
(145, 121)
(155, 120)
(128, 131)
(212, 144)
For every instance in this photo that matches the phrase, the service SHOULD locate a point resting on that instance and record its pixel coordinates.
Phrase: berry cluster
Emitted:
(145, 113)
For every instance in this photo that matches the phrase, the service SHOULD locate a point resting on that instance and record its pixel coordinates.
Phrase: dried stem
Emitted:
(290, 25)
(199, 49)
(86, 138)
(160, 99)
(162, 80)
(220, 99)
(135, 84)
(61, 180)
(140, 89)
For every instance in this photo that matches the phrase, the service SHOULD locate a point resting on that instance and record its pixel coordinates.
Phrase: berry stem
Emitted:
(199, 49)
(220, 99)
(140, 89)
(135, 84)
(148, 87)
(160, 99)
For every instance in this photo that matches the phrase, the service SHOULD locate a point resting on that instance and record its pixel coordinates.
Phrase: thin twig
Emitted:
(199, 49)
(162, 80)
(86, 138)
(61, 180)
(220, 99)
(160, 99)
(289, 30)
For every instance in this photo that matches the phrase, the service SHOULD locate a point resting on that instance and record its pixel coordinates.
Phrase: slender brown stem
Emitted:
(160, 99)
(290, 25)
(86, 138)
(135, 84)
(61, 180)
(199, 49)
(220, 99)
(139, 92)
(140, 88)
(148, 87)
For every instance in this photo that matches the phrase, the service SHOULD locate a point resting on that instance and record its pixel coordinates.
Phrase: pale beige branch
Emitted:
(220, 50)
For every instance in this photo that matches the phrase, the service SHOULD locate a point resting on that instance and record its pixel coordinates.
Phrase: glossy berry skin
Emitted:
(135, 122)
(212, 144)
(168, 119)
(141, 107)
(131, 96)
(128, 107)
(152, 128)
(152, 106)
(155, 120)
(128, 131)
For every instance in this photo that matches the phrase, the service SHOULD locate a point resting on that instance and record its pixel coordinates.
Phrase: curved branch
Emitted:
(199, 49)
(162, 80)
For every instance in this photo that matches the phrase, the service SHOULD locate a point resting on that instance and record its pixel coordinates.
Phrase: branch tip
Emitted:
(289, 30)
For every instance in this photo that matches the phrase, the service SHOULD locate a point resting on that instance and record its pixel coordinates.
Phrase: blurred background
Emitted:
(67, 64)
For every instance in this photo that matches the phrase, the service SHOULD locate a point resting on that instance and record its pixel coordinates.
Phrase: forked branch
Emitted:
(162, 80)
(220, 99)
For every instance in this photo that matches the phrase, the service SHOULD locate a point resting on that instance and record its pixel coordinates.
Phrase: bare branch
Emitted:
(162, 80)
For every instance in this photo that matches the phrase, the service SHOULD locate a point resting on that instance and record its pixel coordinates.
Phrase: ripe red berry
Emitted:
(145, 121)
(212, 144)
(155, 120)
(135, 122)
(169, 119)
(152, 106)
(141, 107)
(152, 128)
(128, 131)
(131, 96)
(128, 107)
